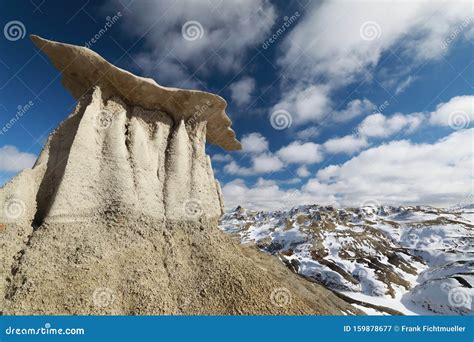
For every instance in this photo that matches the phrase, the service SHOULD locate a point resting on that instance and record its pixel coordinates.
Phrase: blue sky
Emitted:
(344, 103)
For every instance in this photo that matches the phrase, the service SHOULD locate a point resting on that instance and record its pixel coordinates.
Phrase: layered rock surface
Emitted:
(82, 69)
(119, 214)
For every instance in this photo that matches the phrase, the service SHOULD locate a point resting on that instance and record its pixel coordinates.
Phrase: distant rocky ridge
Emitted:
(411, 260)
(119, 214)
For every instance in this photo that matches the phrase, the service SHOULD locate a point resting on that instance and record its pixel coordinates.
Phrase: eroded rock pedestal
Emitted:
(111, 156)
(119, 214)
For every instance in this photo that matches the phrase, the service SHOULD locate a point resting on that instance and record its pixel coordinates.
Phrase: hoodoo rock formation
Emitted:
(119, 213)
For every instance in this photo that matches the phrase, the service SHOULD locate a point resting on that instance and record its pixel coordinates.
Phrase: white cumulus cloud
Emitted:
(12, 160)
(266, 162)
(301, 153)
(348, 144)
(218, 157)
(396, 173)
(459, 111)
(381, 126)
(306, 104)
(402, 172)
(254, 143)
(341, 39)
(302, 171)
(241, 91)
(260, 163)
(340, 42)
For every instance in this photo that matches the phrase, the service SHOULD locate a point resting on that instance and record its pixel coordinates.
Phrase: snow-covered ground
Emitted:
(415, 260)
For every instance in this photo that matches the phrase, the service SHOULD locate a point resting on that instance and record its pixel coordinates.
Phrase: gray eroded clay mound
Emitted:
(119, 214)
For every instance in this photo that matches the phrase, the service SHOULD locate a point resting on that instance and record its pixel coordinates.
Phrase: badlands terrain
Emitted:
(384, 260)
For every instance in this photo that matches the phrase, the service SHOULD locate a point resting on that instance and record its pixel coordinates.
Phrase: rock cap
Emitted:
(82, 69)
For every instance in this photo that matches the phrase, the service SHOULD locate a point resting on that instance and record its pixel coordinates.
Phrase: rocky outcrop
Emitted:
(413, 259)
(119, 214)
(82, 69)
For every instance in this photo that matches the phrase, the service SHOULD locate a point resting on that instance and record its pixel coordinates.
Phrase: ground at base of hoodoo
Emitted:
(139, 267)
